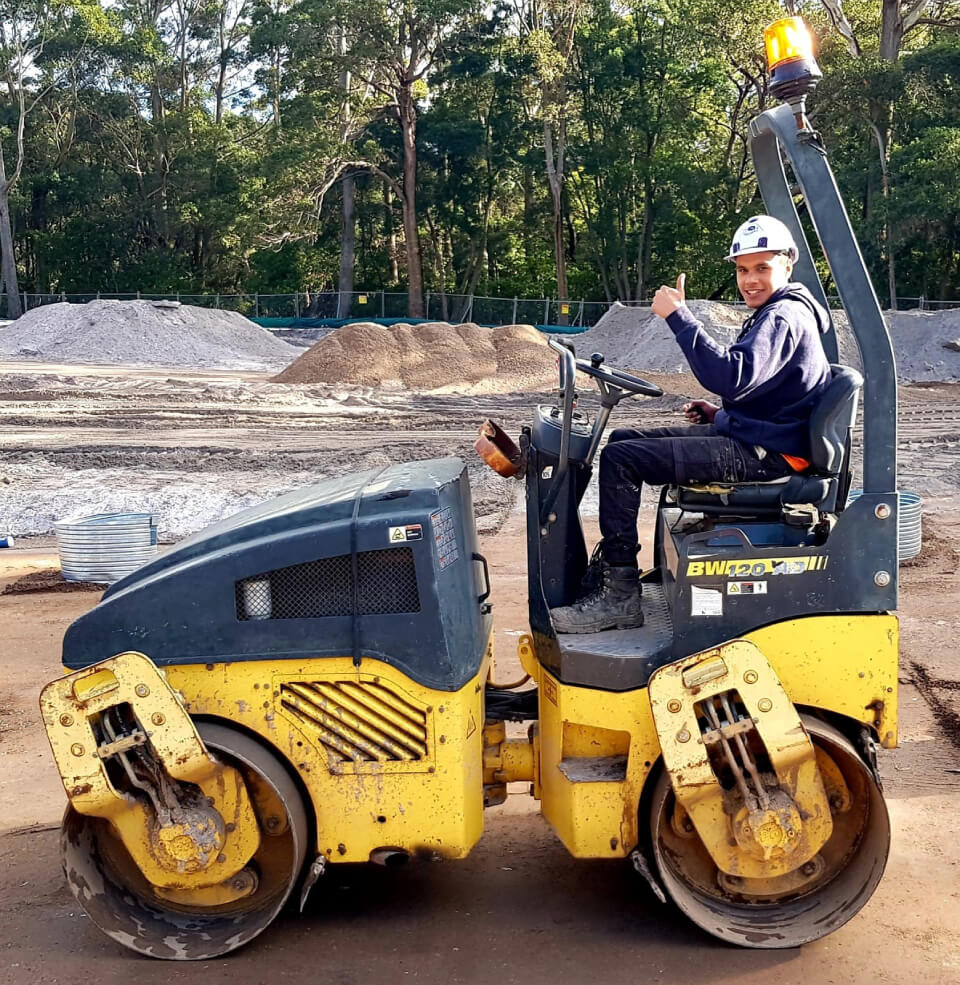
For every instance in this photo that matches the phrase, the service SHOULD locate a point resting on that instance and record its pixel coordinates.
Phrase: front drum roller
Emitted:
(788, 910)
(128, 908)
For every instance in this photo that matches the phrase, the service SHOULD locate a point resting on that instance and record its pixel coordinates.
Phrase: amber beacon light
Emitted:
(793, 69)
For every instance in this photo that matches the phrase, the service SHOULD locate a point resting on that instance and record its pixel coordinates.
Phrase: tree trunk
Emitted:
(14, 309)
(348, 242)
(529, 220)
(276, 91)
(408, 127)
(882, 148)
(221, 86)
(554, 161)
(348, 237)
(891, 38)
(183, 67)
(645, 246)
(891, 29)
(8, 259)
(391, 232)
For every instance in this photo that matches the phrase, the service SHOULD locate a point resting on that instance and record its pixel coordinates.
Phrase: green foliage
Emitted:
(201, 146)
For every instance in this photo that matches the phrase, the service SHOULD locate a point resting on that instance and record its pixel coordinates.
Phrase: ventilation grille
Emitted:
(388, 583)
(358, 721)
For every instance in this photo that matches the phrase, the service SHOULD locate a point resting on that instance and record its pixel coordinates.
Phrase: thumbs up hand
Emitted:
(668, 299)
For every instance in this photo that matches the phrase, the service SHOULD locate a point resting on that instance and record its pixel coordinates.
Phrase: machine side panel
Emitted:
(842, 664)
(386, 762)
(726, 588)
(418, 600)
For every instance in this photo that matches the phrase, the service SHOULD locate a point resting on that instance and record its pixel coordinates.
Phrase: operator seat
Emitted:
(824, 485)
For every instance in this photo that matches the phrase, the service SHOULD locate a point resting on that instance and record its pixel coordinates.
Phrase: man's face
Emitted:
(760, 274)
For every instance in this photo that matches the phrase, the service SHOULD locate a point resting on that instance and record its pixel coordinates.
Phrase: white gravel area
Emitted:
(144, 333)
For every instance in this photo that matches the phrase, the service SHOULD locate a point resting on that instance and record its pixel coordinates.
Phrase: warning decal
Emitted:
(746, 588)
(445, 536)
(706, 601)
(400, 535)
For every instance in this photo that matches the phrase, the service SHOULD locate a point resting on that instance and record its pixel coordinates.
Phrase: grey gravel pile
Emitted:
(924, 343)
(635, 338)
(144, 333)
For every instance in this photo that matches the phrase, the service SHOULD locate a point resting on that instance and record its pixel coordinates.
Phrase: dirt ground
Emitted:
(519, 909)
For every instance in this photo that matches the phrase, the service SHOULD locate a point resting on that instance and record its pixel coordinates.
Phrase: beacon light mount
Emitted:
(791, 63)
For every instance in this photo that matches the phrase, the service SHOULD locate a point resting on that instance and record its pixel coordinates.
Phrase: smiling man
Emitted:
(768, 382)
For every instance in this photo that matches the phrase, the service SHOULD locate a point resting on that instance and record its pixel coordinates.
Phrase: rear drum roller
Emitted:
(796, 908)
(127, 908)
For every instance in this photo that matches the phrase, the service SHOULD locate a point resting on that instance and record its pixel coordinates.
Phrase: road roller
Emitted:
(310, 682)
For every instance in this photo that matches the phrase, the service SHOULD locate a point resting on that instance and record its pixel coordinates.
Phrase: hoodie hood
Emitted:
(795, 291)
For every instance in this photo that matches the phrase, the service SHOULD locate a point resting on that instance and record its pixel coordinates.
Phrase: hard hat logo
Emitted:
(761, 234)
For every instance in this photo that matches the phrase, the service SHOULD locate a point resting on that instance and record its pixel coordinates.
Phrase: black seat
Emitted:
(825, 483)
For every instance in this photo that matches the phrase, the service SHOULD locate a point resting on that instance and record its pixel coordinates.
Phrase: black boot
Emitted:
(615, 604)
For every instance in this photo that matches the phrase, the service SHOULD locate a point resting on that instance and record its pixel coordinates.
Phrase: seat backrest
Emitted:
(831, 422)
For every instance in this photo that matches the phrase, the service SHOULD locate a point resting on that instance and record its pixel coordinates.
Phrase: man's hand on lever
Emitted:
(700, 411)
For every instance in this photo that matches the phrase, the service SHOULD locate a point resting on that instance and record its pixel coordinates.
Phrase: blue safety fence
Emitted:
(305, 324)
(385, 307)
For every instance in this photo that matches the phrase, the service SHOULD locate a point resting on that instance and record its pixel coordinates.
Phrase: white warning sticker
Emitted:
(706, 601)
(445, 536)
(746, 588)
(410, 531)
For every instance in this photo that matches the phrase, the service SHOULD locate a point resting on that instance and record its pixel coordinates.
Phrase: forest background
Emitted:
(531, 148)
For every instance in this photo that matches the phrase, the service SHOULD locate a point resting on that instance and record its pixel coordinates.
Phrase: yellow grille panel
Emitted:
(358, 721)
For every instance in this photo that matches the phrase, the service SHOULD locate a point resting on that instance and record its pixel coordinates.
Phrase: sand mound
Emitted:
(635, 338)
(143, 333)
(429, 356)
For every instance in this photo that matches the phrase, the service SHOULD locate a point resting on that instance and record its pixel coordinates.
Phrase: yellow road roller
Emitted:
(309, 682)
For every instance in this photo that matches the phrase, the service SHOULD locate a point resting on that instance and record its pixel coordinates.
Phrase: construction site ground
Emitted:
(195, 446)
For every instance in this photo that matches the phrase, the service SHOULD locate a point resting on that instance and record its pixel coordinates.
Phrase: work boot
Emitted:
(615, 604)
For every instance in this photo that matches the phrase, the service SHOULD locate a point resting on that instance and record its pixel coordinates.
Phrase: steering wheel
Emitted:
(616, 377)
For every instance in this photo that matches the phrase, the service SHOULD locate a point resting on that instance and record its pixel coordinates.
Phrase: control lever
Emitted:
(692, 408)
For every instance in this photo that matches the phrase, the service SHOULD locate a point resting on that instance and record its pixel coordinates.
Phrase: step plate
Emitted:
(620, 659)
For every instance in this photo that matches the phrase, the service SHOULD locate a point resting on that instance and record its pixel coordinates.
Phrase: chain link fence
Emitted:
(439, 306)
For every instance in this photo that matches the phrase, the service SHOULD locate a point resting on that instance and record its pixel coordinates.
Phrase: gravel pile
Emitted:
(432, 356)
(926, 345)
(635, 338)
(143, 333)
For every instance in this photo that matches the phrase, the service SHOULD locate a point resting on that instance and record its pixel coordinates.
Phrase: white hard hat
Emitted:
(762, 234)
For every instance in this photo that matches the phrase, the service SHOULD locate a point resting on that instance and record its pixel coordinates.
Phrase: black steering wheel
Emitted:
(617, 378)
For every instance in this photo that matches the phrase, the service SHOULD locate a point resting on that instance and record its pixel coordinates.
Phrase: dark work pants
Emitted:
(659, 456)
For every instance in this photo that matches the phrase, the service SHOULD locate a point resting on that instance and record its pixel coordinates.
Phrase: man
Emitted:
(769, 381)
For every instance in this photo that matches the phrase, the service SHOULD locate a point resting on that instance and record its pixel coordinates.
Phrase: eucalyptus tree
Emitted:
(874, 34)
(548, 30)
(374, 59)
(925, 200)
(41, 41)
(474, 133)
(660, 133)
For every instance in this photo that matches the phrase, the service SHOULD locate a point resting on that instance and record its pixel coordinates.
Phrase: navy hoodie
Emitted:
(771, 378)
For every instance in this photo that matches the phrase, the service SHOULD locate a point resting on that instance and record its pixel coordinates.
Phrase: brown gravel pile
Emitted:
(49, 580)
(429, 356)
